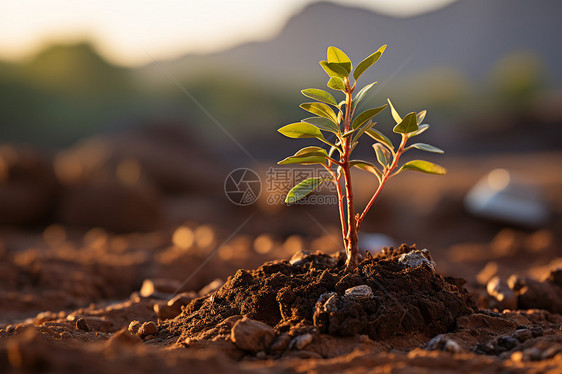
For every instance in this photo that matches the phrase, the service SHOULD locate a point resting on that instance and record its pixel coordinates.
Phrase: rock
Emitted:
(523, 335)
(507, 342)
(82, 324)
(134, 327)
(537, 331)
(211, 287)
(502, 296)
(441, 342)
(485, 348)
(147, 328)
(328, 302)
(165, 311)
(251, 335)
(416, 258)
(502, 196)
(452, 346)
(299, 258)
(301, 341)
(280, 344)
(365, 339)
(359, 292)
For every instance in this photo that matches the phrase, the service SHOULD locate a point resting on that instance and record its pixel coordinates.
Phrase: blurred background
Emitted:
(120, 121)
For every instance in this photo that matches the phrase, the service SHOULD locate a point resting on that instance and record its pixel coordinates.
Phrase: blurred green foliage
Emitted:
(67, 92)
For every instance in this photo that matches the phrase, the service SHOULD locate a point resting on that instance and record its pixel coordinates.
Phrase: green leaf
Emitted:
(320, 109)
(304, 188)
(361, 95)
(407, 125)
(366, 63)
(425, 147)
(420, 116)
(367, 166)
(320, 95)
(395, 114)
(421, 129)
(334, 69)
(365, 116)
(424, 167)
(383, 155)
(306, 156)
(380, 137)
(323, 124)
(301, 130)
(336, 83)
(336, 55)
(361, 130)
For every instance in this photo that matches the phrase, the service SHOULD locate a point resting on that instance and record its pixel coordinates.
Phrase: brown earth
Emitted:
(83, 299)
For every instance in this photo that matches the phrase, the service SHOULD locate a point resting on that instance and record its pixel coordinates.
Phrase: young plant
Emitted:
(338, 125)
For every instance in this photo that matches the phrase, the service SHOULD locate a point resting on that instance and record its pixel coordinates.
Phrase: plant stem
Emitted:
(386, 176)
(340, 202)
(352, 247)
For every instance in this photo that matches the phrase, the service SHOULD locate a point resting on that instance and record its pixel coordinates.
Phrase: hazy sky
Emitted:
(124, 30)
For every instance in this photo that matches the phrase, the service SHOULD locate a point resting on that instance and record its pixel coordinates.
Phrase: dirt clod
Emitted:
(82, 324)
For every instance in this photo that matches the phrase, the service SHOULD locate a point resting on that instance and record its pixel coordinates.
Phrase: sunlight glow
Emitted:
(123, 30)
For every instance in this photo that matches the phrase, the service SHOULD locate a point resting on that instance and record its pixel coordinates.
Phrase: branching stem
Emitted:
(386, 176)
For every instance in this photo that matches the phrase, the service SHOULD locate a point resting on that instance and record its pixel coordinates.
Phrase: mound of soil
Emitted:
(386, 296)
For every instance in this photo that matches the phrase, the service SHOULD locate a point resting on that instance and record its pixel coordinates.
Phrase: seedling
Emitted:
(337, 125)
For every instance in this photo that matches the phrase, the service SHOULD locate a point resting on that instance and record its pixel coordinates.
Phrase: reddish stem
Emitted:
(386, 176)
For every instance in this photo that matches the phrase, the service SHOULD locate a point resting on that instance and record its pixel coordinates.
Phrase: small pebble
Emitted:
(82, 324)
(147, 328)
(301, 341)
(10, 329)
(537, 331)
(65, 335)
(359, 292)
(280, 343)
(364, 339)
(251, 335)
(507, 342)
(452, 346)
(416, 258)
(134, 327)
(260, 355)
(299, 258)
(523, 335)
(486, 348)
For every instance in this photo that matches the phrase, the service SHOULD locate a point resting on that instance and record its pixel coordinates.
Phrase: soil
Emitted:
(112, 298)
(311, 294)
(300, 315)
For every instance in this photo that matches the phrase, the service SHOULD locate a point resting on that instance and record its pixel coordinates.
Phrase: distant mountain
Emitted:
(468, 35)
